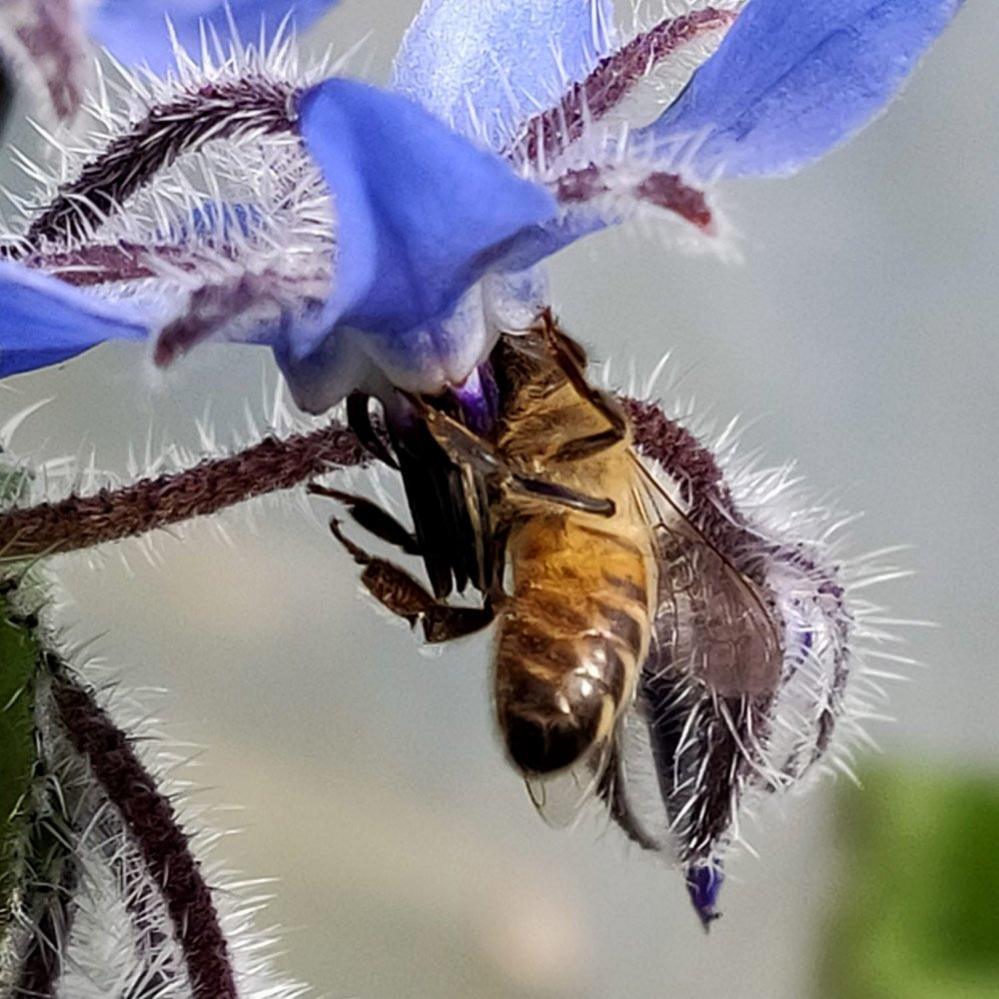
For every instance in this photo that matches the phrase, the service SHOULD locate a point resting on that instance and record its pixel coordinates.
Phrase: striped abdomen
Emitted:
(572, 635)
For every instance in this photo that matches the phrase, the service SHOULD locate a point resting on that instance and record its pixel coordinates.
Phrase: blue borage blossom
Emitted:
(384, 237)
(51, 42)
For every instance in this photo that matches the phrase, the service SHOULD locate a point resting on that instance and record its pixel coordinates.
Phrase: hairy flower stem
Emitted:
(275, 464)
(686, 460)
(79, 522)
(548, 134)
(51, 907)
(223, 110)
(163, 844)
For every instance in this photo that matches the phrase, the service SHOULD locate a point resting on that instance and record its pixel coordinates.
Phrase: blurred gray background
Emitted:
(860, 337)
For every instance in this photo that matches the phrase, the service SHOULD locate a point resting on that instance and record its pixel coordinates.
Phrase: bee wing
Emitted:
(715, 621)
(616, 773)
(692, 739)
(561, 798)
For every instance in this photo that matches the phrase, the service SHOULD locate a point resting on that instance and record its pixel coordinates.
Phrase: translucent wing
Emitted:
(716, 621)
(560, 798)
(697, 733)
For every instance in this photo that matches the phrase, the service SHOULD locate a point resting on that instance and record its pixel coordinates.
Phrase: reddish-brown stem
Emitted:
(106, 263)
(224, 110)
(686, 460)
(114, 514)
(52, 907)
(153, 826)
(548, 133)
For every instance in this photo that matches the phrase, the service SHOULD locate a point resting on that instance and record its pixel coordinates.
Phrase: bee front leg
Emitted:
(372, 518)
(397, 591)
(371, 437)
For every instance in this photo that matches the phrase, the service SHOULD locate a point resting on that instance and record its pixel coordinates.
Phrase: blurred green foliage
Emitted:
(18, 750)
(18, 656)
(917, 913)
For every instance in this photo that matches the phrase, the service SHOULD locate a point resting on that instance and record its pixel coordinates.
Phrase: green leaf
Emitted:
(918, 901)
(18, 754)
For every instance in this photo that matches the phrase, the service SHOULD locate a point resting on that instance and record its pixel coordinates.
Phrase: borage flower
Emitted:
(376, 237)
(50, 43)
(715, 733)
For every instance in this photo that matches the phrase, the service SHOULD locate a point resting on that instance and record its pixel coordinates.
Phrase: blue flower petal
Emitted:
(793, 78)
(135, 31)
(422, 215)
(485, 66)
(44, 320)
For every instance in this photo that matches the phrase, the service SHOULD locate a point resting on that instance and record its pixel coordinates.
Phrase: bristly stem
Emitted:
(152, 823)
(79, 522)
(52, 907)
(550, 132)
(222, 110)
(106, 263)
(275, 464)
(687, 461)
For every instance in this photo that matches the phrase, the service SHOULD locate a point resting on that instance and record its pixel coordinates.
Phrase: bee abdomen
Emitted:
(561, 681)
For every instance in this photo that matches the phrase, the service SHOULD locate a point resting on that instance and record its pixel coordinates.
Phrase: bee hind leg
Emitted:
(397, 591)
(611, 792)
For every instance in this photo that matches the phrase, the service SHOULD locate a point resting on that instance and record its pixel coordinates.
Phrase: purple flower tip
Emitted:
(704, 882)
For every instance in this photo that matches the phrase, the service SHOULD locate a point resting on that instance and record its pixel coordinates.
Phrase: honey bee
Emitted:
(598, 582)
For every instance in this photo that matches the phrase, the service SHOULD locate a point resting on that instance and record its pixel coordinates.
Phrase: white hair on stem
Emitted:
(838, 648)
(116, 899)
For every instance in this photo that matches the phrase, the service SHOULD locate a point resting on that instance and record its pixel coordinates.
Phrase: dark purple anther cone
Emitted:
(478, 399)
(704, 882)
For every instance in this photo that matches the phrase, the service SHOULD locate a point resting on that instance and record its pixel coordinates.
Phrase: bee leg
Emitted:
(442, 622)
(561, 495)
(464, 447)
(397, 591)
(461, 445)
(359, 420)
(372, 518)
(583, 447)
(610, 790)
